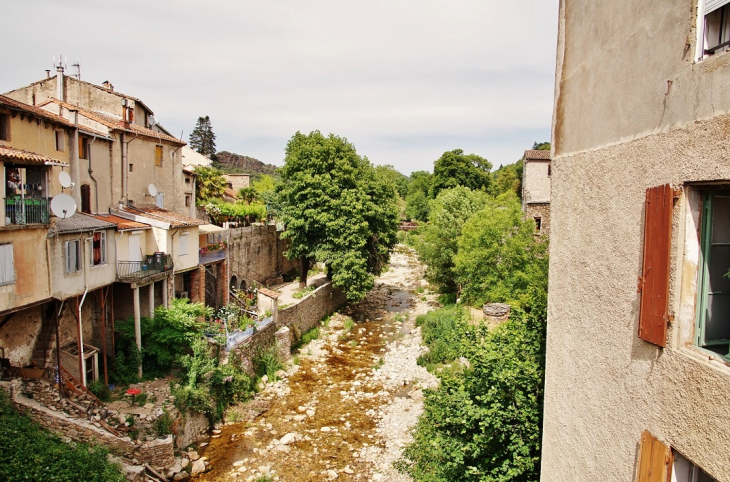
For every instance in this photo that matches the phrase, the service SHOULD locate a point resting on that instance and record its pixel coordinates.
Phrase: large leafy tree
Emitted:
(498, 257)
(438, 246)
(454, 168)
(419, 188)
(338, 210)
(209, 184)
(202, 139)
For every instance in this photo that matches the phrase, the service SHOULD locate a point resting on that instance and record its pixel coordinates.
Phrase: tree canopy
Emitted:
(202, 139)
(454, 168)
(209, 184)
(338, 210)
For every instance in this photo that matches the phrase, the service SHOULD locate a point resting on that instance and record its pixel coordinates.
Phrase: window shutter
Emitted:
(103, 248)
(654, 280)
(7, 268)
(67, 249)
(712, 5)
(655, 460)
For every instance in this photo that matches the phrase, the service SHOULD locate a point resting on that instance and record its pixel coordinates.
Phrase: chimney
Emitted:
(108, 86)
(48, 73)
(125, 112)
(59, 83)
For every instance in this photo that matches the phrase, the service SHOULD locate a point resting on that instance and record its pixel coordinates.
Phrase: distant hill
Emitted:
(231, 163)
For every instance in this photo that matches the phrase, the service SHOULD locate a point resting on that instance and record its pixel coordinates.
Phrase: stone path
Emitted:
(346, 410)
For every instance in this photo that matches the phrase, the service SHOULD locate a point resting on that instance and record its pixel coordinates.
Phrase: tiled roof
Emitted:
(116, 123)
(121, 223)
(537, 155)
(175, 220)
(80, 222)
(36, 111)
(269, 293)
(25, 157)
(230, 193)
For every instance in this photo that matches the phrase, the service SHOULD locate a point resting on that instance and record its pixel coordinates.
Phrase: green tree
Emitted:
(265, 188)
(438, 244)
(419, 188)
(337, 210)
(202, 139)
(507, 179)
(498, 258)
(247, 195)
(454, 168)
(400, 181)
(209, 184)
(541, 146)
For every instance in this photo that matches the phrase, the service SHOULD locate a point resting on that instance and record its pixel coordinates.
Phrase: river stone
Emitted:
(198, 467)
(288, 438)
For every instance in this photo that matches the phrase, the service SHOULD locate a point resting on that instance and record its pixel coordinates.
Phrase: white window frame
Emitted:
(102, 240)
(702, 6)
(7, 264)
(182, 244)
(72, 266)
(60, 140)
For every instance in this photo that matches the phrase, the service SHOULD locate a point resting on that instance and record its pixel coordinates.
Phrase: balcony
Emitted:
(151, 265)
(19, 211)
(209, 255)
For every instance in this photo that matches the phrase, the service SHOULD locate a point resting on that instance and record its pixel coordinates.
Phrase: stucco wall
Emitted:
(168, 178)
(536, 181)
(71, 284)
(604, 385)
(614, 61)
(31, 268)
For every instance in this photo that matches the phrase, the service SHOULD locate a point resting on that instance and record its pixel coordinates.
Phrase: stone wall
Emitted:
(190, 428)
(242, 354)
(306, 314)
(256, 253)
(157, 453)
(542, 211)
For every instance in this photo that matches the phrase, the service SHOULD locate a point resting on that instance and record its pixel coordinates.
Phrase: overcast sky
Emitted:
(403, 80)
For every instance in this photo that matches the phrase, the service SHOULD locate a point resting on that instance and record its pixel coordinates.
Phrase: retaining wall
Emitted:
(306, 314)
(157, 453)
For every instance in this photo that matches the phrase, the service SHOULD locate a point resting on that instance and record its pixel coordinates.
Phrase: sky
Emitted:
(403, 80)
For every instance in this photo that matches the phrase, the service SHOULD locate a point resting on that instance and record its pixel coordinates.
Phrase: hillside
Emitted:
(232, 163)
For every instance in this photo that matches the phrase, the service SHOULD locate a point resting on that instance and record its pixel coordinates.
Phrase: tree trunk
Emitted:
(303, 273)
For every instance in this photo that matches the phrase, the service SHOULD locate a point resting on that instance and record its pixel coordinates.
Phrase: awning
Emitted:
(209, 229)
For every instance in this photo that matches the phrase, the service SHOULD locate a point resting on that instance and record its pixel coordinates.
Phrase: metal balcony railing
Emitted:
(138, 270)
(206, 255)
(26, 211)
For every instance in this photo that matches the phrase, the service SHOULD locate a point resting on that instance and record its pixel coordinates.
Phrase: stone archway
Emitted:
(243, 285)
(234, 283)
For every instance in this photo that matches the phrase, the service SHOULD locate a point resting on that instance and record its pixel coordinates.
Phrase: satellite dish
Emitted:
(151, 120)
(63, 206)
(152, 190)
(64, 179)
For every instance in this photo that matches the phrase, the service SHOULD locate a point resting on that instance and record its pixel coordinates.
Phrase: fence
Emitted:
(26, 211)
(149, 266)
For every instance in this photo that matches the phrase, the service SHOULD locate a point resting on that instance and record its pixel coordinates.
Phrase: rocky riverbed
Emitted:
(346, 409)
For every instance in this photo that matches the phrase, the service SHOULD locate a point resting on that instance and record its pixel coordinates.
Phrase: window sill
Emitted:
(8, 283)
(710, 57)
(706, 357)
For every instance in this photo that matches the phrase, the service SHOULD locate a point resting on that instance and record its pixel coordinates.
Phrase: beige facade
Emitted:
(634, 109)
(237, 181)
(536, 175)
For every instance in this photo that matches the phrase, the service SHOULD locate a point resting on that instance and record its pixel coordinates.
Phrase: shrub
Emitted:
(31, 453)
(443, 331)
(267, 362)
(348, 324)
(126, 365)
(100, 390)
(304, 292)
(163, 424)
(308, 336)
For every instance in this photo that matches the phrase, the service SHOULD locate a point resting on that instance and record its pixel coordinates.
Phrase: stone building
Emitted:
(638, 373)
(536, 173)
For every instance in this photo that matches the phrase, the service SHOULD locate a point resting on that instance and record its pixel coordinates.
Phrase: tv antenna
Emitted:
(63, 206)
(78, 70)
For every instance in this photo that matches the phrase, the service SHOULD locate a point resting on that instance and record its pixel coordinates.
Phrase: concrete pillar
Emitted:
(283, 343)
(275, 311)
(166, 292)
(137, 327)
(152, 300)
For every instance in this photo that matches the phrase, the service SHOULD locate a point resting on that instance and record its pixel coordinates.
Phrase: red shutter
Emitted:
(655, 460)
(654, 280)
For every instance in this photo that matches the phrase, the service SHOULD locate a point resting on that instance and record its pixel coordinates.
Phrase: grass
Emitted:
(379, 363)
(353, 343)
(348, 324)
(31, 453)
(303, 292)
(267, 362)
(264, 478)
(310, 335)
(295, 360)
(163, 425)
(420, 289)
(326, 321)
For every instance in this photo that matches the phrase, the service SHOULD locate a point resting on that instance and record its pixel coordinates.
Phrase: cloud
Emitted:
(403, 80)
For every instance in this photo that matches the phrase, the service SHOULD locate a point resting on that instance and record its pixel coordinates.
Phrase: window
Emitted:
(187, 180)
(72, 256)
(158, 156)
(550, 171)
(684, 470)
(131, 167)
(713, 308)
(4, 127)
(99, 249)
(717, 26)
(538, 225)
(83, 148)
(60, 141)
(187, 200)
(183, 244)
(7, 265)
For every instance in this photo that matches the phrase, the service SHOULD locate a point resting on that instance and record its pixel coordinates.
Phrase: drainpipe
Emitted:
(82, 360)
(73, 155)
(172, 255)
(125, 168)
(91, 175)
